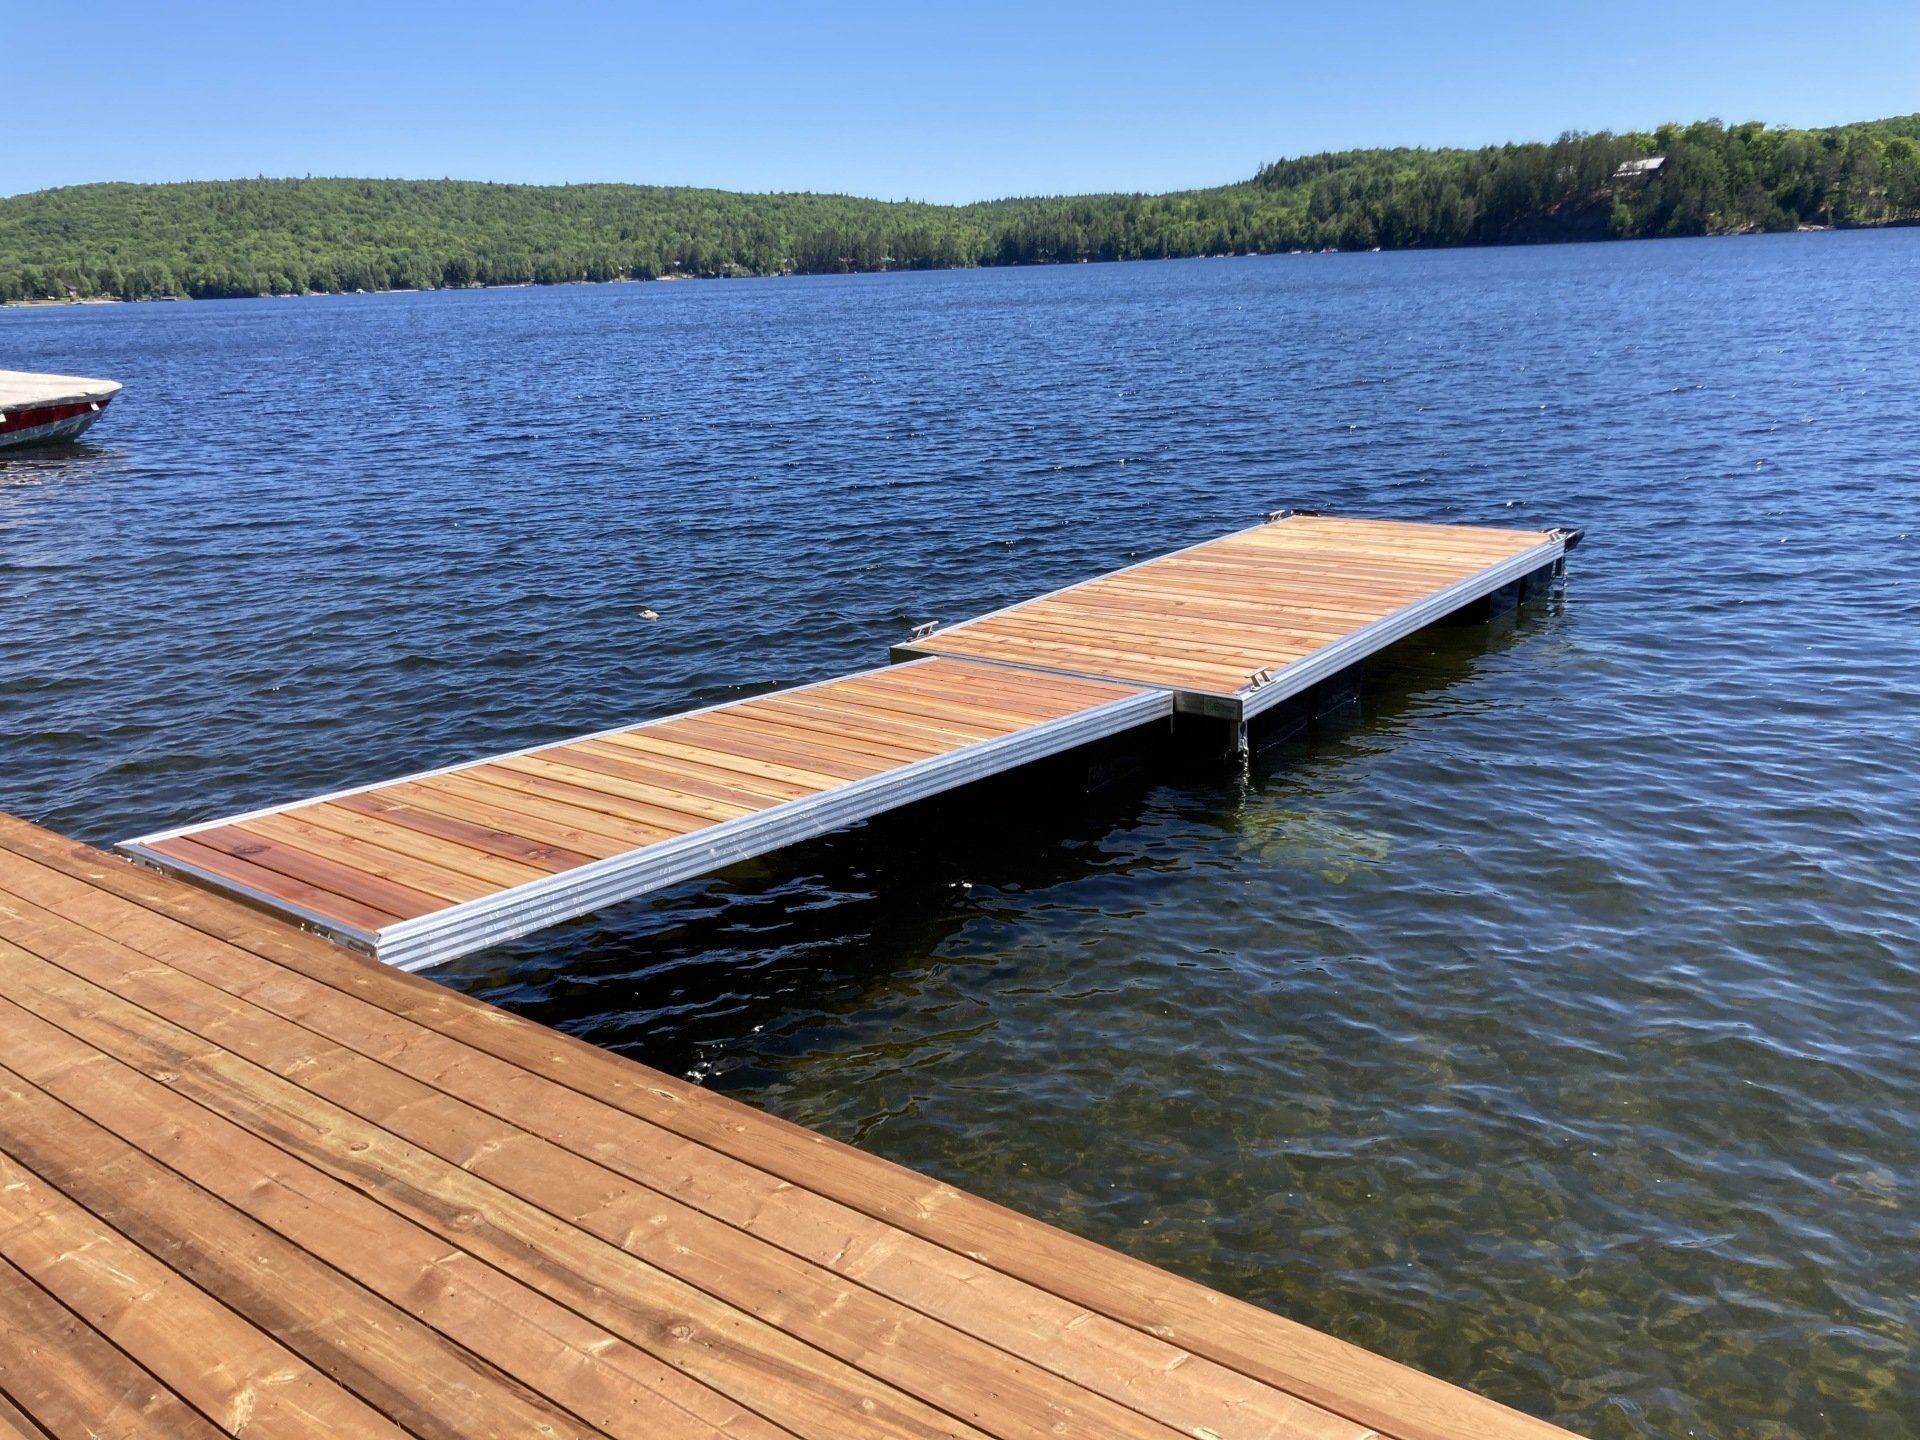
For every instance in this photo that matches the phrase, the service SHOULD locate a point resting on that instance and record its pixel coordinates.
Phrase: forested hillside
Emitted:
(256, 237)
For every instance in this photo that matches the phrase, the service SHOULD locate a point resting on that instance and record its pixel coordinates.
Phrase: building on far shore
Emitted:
(1641, 169)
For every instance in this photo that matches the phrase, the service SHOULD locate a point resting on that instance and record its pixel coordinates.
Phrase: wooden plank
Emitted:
(1134, 644)
(717, 801)
(831, 713)
(365, 1345)
(682, 811)
(643, 826)
(805, 736)
(73, 1382)
(742, 741)
(727, 753)
(15, 1423)
(676, 761)
(1196, 625)
(241, 869)
(1013, 649)
(1363, 604)
(1251, 571)
(1234, 607)
(972, 703)
(1056, 695)
(1152, 1377)
(258, 852)
(1358, 576)
(290, 830)
(1393, 539)
(1111, 644)
(434, 814)
(877, 719)
(476, 795)
(1256, 559)
(167, 1325)
(1214, 679)
(413, 843)
(987, 692)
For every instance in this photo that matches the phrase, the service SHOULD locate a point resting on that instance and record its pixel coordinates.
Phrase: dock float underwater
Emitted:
(426, 868)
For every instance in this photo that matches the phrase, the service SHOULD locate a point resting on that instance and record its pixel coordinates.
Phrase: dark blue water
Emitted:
(1549, 1023)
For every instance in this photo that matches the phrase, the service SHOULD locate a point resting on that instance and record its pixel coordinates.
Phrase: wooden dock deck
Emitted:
(425, 868)
(429, 867)
(254, 1184)
(1236, 625)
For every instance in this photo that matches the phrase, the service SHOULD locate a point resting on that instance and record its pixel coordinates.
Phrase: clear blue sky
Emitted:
(954, 102)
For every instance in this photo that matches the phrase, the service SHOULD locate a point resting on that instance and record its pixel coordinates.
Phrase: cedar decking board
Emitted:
(425, 868)
(1236, 625)
(252, 1183)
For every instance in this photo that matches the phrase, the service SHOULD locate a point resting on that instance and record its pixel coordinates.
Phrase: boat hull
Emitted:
(49, 424)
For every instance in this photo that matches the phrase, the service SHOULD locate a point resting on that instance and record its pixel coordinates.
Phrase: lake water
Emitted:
(1549, 1023)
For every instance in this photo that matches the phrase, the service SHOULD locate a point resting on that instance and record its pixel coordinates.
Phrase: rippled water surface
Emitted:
(1549, 1023)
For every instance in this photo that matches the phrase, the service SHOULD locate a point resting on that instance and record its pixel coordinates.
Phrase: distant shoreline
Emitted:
(229, 239)
(96, 300)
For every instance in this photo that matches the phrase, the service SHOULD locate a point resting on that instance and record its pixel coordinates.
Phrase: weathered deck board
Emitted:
(253, 1183)
(421, 869)
(1229, 625)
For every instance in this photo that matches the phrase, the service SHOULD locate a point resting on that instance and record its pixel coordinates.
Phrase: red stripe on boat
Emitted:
(49, 414)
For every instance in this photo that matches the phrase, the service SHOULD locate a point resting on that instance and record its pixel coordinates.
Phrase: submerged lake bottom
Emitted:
(1544, 1019)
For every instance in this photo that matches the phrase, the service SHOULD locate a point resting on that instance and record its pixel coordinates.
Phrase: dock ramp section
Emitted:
(420, 870)
(1236, 625)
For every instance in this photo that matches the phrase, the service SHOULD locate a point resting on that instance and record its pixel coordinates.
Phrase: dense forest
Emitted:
(261, 237)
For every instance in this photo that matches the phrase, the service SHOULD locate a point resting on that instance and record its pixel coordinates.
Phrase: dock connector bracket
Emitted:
(924, 629)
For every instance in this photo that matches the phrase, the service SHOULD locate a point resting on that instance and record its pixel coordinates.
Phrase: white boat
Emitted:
(41, 409)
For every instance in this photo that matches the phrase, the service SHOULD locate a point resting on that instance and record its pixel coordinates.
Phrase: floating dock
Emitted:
(252, 1184)
(1234, 626)
(426, 868)
(423, 869)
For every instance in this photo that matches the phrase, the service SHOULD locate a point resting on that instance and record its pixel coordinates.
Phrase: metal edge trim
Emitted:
(444, 935)
(1335, 656)
(336, 930)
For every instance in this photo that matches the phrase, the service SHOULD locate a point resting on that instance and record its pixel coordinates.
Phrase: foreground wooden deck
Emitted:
(253, 1184)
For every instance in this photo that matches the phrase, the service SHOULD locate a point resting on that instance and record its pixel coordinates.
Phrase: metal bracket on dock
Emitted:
(1263, 676)
(924, 629)
(1567, 536)
(1277, 515)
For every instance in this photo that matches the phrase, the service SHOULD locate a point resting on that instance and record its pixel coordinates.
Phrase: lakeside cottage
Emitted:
(1641, 169)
